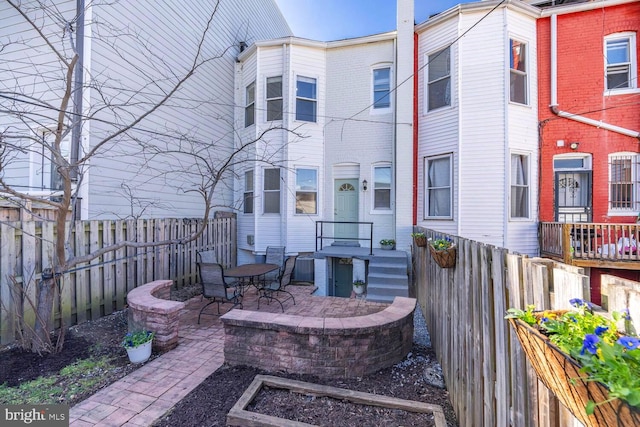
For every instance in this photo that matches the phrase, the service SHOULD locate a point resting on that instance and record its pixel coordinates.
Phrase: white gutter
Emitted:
(554, 92)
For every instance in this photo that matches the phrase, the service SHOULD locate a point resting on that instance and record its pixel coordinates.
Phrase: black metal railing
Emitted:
(322, 228)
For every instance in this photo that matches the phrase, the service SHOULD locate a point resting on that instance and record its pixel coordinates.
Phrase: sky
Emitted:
(327, 20)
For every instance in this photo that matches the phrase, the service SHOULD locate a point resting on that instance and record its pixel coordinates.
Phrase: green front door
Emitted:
(346, 208)
(342, 277)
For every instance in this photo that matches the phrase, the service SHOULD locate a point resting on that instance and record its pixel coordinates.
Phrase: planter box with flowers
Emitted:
(443, 252)
(582, 358)
(138, 345)
(387, 244)
(420, 239)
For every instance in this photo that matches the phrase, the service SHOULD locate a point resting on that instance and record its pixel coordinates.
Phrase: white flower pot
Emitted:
(141, 353)
(359, 290)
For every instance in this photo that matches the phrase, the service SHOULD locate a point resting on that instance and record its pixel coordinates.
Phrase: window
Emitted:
(248, 192)
(518, 71)
(306, 99)
(272, 191)
(438, 197)
(381, 88)
(519, 186)
(306, 191)
(620, 61)
(439, 79)
(250, 109)
(623, 182)
(382, 187)
(274, 98)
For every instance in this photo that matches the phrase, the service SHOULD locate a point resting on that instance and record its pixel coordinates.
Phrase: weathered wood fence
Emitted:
(90, 291)
(487, 375)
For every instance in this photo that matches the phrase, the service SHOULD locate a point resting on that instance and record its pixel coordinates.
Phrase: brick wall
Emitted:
(327, 347)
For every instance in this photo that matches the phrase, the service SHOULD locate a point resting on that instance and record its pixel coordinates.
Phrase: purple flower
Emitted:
(601, 330)
(625, 314)
(589, 344)
(629, 342)
(576, 302)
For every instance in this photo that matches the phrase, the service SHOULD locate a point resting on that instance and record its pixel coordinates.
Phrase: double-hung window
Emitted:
(250, 105)
(274, 98)
(382, 187)
(623, 182)
(620, 61)
(306, 99)
(438, 194)
(518, 71)
(306, 191)
(381, 88)
(271, 191)
(248, 192)
(519, 186)
(439, 79)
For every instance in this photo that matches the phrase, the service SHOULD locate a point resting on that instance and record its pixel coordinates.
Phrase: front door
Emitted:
(573, 196)
(346, 208)
(342, 277)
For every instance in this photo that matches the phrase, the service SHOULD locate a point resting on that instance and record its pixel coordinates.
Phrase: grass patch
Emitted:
(76, 379)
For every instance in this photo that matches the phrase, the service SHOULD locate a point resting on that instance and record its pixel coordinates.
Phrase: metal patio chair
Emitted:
(272, 288)
(275, 255)
(208, 256)
(216, 288)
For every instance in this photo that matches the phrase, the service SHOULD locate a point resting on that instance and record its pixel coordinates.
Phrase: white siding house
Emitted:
(133, 54)
(477, 124)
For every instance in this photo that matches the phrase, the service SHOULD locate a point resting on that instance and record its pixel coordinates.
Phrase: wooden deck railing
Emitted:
(591, 244)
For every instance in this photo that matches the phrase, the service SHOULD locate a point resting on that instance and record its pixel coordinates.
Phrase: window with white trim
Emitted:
(274, 98)
(520, 178)
(438, 79)
(250, 105)
(518, 71)
(623, 182)
(248, 192)
(271, 191)
(306, 191)
(438, 187)
(382, 88)
(382, 187)
(306, 99)
(620, 61)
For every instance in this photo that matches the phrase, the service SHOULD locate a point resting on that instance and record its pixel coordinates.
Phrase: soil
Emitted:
(209, 403)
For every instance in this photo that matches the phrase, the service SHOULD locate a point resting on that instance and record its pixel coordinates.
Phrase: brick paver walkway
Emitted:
(149, 392)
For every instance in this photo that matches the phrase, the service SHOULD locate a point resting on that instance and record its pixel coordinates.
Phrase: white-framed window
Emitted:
(438, 194)
(271, 191)
(250, 105)
(274, 98)
(624, 182)
(519, 183)
(620, 62)
(438, 79)
(382, 187)
(306, 99)
(518, 72)
(248, 192)
(382, 88)
(306, 191)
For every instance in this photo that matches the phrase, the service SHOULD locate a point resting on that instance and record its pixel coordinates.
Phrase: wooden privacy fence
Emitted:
(92, 290)
(487, 375)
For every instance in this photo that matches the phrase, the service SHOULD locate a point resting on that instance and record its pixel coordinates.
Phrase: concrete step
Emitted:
(383, 279)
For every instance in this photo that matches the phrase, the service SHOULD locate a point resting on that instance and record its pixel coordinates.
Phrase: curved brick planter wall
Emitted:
(150, 308)
(327, 347)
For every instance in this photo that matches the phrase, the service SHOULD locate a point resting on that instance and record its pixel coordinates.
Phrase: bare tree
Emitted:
(46, 115)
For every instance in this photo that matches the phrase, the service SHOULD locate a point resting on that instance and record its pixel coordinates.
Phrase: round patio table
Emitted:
(248, 273)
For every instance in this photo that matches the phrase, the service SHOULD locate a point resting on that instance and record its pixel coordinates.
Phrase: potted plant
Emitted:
(443, 251)
(387, 244)
(591, 367)
(359, 286)
(138, 345)
(420, 239)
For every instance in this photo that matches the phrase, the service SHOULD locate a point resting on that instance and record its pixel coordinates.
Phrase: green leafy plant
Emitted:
(604, 354)
(387, 242)
(358, 283)
(418, 235)
(441, 243)
(135, 339)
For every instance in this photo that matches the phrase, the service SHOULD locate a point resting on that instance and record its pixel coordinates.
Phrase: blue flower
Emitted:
(601, 330)
(626, 315)
(544, 319)
(576, 302)
(589, 344)
(629, 342)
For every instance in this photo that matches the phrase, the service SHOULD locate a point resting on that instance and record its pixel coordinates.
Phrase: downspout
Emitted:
(554, 92)
(76, 130)
(415, 128)
(394, 138)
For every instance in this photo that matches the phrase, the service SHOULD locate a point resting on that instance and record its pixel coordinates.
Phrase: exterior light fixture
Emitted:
(574, 145)
(364, 185)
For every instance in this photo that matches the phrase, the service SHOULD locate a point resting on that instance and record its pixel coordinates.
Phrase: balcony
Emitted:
(591, 245)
